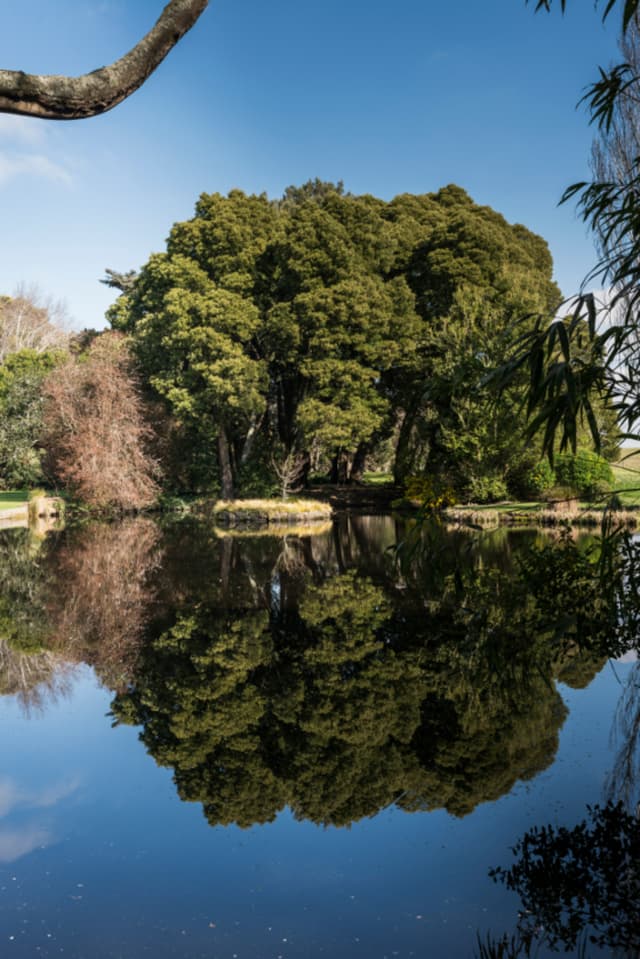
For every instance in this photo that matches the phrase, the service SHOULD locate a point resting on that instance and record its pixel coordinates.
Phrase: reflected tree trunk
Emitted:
(226, 564)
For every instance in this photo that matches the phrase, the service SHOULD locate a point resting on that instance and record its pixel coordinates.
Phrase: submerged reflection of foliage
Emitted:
(101, 595)
(23, 623)
(36, 678)
(338, 694)
(316, 672)
(578, 886)
(28, 670)
(76, 597)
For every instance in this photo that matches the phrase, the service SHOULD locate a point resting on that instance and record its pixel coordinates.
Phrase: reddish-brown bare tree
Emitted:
(95, 434)
(103, 595)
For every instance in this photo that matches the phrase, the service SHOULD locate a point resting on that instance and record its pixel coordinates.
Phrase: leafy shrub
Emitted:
(487, 489)
(430, 492)
(600, 490)
(556, 493)
(583, 471)
(21, 407)
(539, 478)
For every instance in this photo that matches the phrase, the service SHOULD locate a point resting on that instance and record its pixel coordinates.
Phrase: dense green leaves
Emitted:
(21, 416)
(327, 324)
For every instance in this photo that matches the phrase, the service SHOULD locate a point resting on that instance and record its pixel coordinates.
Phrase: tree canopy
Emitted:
(324, 324)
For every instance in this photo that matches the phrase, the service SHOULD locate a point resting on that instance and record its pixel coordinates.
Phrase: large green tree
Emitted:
(323, 324)
(474, 277)
(194, 341)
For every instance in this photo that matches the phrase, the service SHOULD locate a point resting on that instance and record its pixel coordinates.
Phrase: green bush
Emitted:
(584, 470)
(600, 491)
(487, 489)
(556, 493)
(430, 492)
(538, 478)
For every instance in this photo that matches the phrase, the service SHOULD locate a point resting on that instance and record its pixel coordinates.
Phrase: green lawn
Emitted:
(626, 476)
(12, 499)
(378, 479)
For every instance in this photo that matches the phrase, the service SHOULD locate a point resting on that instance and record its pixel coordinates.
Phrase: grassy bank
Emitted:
(626, 477)
(537, 514)
(257, 512)
(13, 499)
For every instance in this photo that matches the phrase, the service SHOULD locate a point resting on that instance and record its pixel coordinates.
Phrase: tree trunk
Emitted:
(340, 468)
(73, 98)
(305, 469)
(359, 463)
(250, 438)
(227, 490)
(402, 462)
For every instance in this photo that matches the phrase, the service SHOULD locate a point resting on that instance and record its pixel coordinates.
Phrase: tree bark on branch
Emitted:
(73, 98)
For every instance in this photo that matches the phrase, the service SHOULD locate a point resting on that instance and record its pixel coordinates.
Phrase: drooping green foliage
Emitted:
(325, 324)
(578, 367)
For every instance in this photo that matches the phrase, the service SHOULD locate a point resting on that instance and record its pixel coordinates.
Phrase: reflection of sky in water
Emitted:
(17, 841)
(12, 796)
(630, 657)
(113, 864)
(31, 832)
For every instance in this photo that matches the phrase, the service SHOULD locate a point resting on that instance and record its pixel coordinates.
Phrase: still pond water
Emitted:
(262, 746)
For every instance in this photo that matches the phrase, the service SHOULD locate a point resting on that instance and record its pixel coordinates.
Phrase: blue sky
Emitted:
(389, 98)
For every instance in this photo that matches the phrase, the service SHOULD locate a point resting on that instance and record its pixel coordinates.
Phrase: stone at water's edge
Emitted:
(45, 507)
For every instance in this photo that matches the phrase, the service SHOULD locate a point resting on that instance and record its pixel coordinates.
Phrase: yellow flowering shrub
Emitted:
(430, 492)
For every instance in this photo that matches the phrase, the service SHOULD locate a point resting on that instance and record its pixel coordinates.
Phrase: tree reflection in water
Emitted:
(319, 673)
(580, 886)
(83, 596)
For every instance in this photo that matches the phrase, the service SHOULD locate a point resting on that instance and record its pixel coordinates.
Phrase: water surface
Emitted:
(256, 746)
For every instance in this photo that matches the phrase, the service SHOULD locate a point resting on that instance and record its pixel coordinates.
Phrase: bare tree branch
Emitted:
(74, 98)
